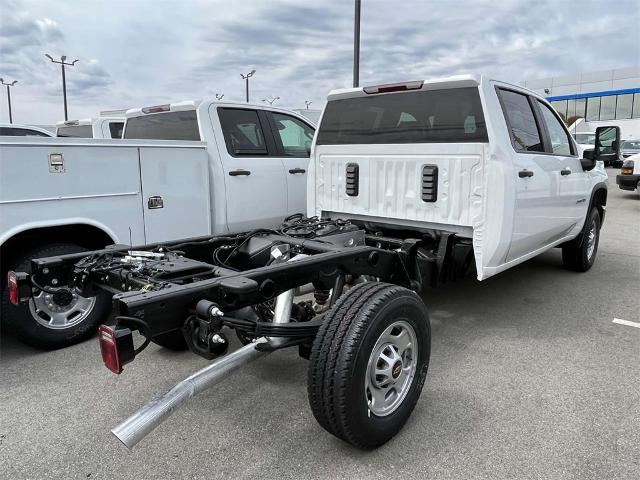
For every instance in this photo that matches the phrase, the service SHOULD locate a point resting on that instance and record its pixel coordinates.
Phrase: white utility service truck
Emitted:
(218, 168)
(410, 185)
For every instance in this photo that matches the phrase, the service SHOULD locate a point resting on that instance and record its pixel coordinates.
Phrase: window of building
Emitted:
(636, 106)
(593, 109)
(608, 107)
(522, 123)
(624, 104)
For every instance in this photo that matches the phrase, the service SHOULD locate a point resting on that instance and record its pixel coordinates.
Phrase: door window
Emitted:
(242, 131)
(295, 135)
(115, 129)
(560, 143)
(525, 133)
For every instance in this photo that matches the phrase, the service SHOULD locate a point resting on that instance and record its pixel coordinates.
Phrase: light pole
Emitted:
(9, 85)
(270, 101)
(64, 79)
(356, 45)
(246, 78)
(307, 103)
(219, 96)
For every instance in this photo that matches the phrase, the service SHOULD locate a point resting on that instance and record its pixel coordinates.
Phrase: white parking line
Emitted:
(626, 322)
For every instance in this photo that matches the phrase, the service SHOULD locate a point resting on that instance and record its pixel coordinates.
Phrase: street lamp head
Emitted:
(49, 56)
(14, 82)
(63, 58)
(74, 62)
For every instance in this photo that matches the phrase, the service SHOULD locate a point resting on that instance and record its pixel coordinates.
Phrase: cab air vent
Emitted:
(429, 183)
(353, 178)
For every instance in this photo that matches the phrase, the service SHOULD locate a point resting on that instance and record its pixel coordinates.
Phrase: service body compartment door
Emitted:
(175, 192)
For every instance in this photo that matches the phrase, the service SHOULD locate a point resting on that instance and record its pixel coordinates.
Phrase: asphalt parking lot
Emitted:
(529, 378)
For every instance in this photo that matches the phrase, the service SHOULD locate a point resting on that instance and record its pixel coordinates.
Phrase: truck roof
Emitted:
(91, 121)
(198, 103)
(454, 81)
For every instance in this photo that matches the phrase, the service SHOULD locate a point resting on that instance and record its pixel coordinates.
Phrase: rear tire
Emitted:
(369, 363)
(34, 331)
(581, 258)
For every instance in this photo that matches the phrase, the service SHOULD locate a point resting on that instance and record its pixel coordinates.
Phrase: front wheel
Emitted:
(369, 362)
(54, 320)
(581, 258)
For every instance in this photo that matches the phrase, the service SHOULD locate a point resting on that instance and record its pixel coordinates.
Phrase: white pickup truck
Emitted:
(410, 185)
(221, 168)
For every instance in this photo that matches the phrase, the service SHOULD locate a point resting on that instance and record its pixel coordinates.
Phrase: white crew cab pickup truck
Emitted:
(489, 161)
(217, 168)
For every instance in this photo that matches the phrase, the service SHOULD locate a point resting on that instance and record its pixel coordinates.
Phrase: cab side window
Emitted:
(525, 132)
(243, 132)
(295, 135)
(560, 143)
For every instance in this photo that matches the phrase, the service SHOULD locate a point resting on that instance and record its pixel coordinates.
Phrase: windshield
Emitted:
(429, 116)
(76, 131)
(631, 145)
(585, 138)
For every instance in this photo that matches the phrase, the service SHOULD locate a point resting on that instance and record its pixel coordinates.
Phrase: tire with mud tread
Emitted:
(369, 362)
(22, 321)
(581, 258)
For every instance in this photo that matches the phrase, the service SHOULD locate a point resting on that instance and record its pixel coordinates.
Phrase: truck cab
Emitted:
(258, 156)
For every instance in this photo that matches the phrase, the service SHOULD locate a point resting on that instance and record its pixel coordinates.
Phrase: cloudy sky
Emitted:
(144, 52)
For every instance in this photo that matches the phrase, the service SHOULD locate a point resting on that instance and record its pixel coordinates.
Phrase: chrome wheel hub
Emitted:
(591, 240)
(391, 368)
(60, 310)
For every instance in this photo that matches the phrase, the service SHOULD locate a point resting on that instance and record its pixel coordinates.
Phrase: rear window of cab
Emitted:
(431, 116)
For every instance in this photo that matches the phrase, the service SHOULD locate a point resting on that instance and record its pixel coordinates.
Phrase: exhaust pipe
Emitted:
(145, 420)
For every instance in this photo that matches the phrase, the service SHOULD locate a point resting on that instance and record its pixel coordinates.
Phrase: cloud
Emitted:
(149, 52)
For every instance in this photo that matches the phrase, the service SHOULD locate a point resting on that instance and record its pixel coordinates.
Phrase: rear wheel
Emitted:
(581, 258)
(54, 320)
(369, 362)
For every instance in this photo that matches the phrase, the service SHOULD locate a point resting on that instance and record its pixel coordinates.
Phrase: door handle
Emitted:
(525, 173)
(565, 171)
(297, 170)
(236, 173)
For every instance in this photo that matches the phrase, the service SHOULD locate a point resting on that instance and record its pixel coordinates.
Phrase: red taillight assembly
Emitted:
(14, 289)
(116, 346)
(394, 87)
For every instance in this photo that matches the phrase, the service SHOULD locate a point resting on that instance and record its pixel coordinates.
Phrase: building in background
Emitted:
(588, 100)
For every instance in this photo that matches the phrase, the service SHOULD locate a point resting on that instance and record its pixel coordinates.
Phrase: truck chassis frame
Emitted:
(189, 290)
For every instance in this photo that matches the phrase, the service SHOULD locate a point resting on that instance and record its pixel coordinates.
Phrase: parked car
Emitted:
(14, 130)
(629, 176)
(409, 184)
(222, 168)
(100, 127)
(630, 147)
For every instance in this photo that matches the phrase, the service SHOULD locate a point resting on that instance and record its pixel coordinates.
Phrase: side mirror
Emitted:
(607, 144)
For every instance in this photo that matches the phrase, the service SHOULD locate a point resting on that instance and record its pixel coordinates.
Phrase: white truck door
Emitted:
(254, 177)
(537, 220)
(572, 179)
(175, 192)
(293, 140)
